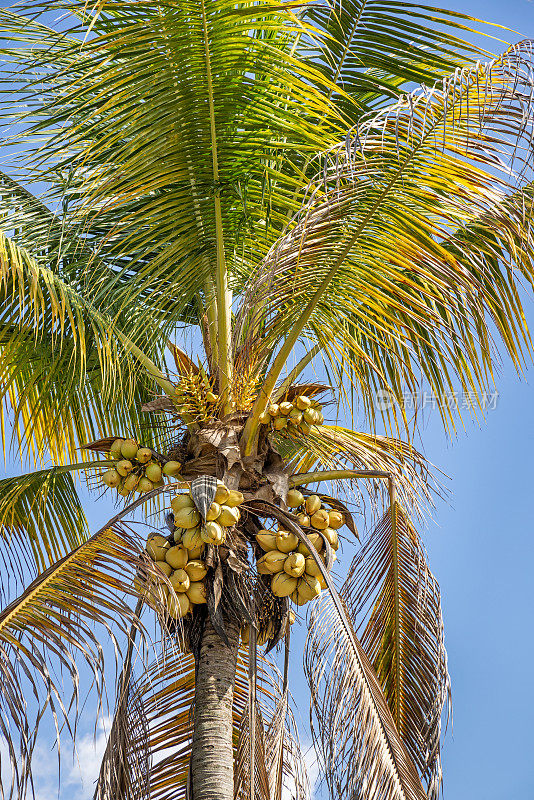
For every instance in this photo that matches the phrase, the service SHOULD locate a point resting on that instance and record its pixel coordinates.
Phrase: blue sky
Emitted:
(481, 549)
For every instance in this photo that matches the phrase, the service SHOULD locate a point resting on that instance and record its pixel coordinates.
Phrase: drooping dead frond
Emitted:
(393, 594)
(63, 616)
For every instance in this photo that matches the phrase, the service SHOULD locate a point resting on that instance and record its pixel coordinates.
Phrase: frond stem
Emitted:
(223, 295)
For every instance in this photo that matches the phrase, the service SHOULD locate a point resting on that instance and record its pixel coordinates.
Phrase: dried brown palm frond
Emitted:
(64, 616)
(162, 696)
(396, 599)
(358, 743)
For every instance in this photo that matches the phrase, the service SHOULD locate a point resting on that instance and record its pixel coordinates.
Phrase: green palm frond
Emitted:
(41, 513)
(393, 311)
(66, 366)
(396, 599)
(376, 47)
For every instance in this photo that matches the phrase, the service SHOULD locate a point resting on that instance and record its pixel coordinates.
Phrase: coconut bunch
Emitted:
(301, 415)
(136, 469)
(185, 574)
(312, 513)
(268, 633)
(193, 532)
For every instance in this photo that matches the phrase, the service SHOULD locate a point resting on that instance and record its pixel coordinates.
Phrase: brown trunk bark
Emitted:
(212, 766)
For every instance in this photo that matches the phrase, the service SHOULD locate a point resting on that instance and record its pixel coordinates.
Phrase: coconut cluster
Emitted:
(222, 514)
(180, 559)
(136, 469)
(184, 573)
(301, 414)
(312, 513)
(294, 571)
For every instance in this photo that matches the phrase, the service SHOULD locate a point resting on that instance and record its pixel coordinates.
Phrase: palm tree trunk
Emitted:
(212, 765)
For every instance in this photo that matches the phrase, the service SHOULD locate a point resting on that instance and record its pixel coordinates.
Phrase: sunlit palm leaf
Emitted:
(396, 600)
(400, 311)
(40, 512)
(355, 736)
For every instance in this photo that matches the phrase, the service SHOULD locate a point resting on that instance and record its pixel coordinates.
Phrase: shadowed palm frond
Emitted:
(162, 697)
(400, 312)
(396, 600)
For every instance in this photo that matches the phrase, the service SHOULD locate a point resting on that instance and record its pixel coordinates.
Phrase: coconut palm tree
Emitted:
(225, 226)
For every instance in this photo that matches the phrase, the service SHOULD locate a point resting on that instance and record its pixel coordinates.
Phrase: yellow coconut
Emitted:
(172, 468)
(111, 478)
(331, 536)
(213, 512)
(335, 519)
(196, 570)
(279, 423)
(286, 408)
(157, 546)
(286, 542)
(282, 584)
(271, 562)
(235, 498)
(309, 416)
(115, 449)
(196, 552)
(163, 566)
(316, 540)
(122, 491)
(295, 416)
(319, 520)
(192, 539)
(130, 483)
(294, 564)
(228, 516)
(298, 599)
(309, 585)
(212, 533)
(143, 455)
(178, 606)
(266, 540)
(178, 535)
(294, 498)
(273, 410)
(311, 567)
(179, 580)
(313, 504)
(144, 485)
(221, 493)
(129, 448)
(177, 557)
(302, 402)
(303, 520)
(124, 467)
(153, 472)
(181, 501)
(197, 592)
(265, 418)
(187, 517)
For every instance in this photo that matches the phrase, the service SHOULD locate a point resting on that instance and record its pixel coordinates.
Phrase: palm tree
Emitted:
(205, 202)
